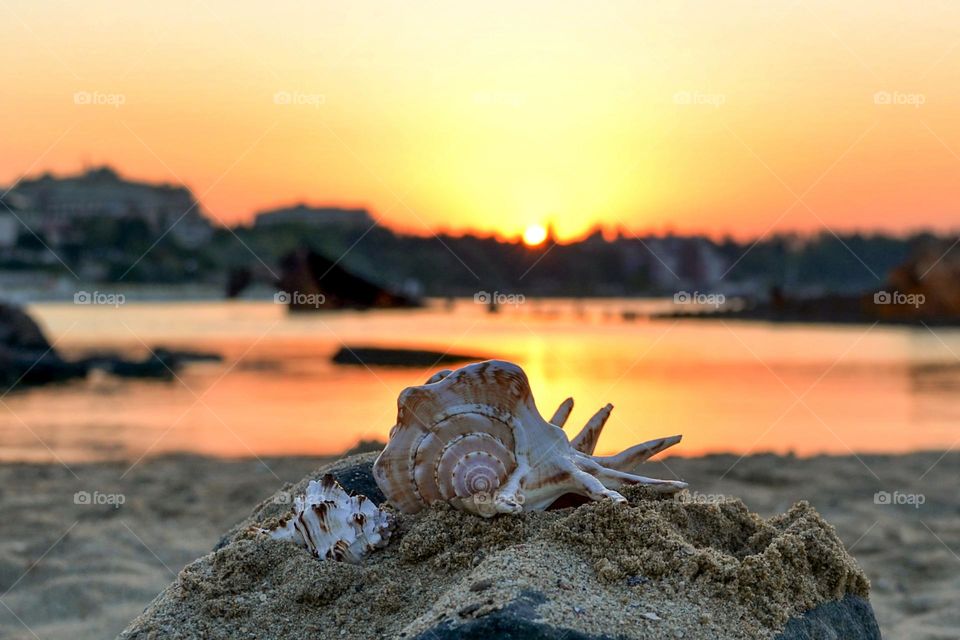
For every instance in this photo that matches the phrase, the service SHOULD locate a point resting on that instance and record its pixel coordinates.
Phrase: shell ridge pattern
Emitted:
(497, 413)
(461, 438)
(412, 464)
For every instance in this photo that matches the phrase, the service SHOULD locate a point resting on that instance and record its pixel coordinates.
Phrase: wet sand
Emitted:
(77, 568)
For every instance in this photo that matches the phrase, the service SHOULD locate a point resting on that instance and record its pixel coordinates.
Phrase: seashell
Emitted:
(332, 524)
(474, 438)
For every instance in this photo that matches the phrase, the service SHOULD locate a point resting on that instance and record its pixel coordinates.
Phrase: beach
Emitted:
(295, 306)
(85, 548)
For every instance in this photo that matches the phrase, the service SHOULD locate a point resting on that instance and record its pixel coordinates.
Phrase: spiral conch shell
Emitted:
(474, 438)
(332, 524)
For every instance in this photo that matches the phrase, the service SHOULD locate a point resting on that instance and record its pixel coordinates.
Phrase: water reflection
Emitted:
(725, 386)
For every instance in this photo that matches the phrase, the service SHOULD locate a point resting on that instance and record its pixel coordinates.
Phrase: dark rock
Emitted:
(927, 286)
(358, 478)
(848, 619)
(179, 356)
(26, 356)
(161, 363)
(18, 331)
(376, 356)
(312, 282)
(29, 368)
(517, 621)
(150, 367)
(28, 359)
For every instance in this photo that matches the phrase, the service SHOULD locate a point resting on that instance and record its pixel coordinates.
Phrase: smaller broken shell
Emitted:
(332, 524)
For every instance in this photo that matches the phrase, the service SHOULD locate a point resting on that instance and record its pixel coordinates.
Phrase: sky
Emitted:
(736, 118)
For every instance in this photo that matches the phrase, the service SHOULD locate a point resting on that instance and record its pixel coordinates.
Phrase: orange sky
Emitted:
(711, 117)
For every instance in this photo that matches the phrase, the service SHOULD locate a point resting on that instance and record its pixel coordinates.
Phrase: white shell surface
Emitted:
(474, 438)
(332, 524)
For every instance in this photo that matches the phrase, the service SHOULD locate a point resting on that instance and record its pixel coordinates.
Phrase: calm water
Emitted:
(726, 386)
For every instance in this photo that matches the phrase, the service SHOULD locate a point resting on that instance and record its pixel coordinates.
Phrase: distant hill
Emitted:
(57, 208)
(308, 216)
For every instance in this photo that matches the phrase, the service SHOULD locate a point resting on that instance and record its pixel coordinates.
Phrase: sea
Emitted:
(726, 386)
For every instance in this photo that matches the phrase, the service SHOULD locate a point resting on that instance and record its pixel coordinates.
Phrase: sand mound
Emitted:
(654, 568)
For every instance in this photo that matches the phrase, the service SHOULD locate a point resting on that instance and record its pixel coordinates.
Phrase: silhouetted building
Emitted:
(56, 207)
(675, 261)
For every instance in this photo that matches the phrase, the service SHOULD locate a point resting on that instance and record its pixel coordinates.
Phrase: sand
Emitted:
(646, 569)
(78, 571)
(112, 561)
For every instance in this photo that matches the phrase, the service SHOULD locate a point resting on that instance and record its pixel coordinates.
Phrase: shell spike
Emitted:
(562, 413)
(586, 440)
(630, 459)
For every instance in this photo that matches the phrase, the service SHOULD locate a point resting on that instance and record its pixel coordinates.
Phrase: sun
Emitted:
(534, 235)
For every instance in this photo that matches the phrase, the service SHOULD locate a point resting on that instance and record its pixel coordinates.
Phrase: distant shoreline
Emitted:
(770, 318)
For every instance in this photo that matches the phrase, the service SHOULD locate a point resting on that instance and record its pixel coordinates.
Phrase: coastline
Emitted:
(84, 567)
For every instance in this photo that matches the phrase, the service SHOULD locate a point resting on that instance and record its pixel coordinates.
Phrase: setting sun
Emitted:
(534, 235)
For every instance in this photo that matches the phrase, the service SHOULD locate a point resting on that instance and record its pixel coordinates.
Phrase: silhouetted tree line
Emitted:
(445, 265)
(461, 265)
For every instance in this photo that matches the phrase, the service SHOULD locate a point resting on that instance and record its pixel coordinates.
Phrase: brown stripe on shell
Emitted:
(338, 551)
(304, 530)
(321, 511)
(557, 478)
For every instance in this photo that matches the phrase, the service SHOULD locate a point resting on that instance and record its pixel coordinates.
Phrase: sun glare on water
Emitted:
(534, 235)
